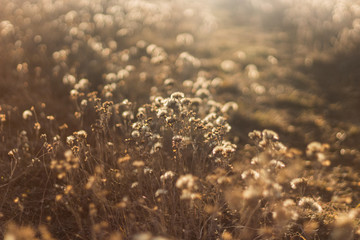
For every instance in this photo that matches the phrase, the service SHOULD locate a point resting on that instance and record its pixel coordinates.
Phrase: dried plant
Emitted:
(117, 123)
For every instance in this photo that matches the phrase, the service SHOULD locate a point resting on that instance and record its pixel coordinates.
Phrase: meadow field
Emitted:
(163, 120)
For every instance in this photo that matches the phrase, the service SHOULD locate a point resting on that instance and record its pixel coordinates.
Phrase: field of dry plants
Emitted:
(162, 120)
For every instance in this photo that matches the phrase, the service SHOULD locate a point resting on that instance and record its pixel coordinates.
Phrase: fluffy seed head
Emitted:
(27, 114)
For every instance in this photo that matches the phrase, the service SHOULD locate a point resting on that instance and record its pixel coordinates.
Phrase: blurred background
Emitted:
(292, 66)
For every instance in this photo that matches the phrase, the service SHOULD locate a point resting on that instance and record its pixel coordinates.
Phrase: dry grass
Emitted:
(117, 122)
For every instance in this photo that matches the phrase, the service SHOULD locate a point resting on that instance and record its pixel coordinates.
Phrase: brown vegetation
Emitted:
(135, 120)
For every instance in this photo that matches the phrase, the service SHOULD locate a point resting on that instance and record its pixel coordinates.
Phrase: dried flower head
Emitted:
(81, 134)
(167, 176)
(135, 134)
(27, 114)
(160, 192)
(70, 140)
(184, 39)
(177, 95)
(186, 182)
(228, 65)
(276, 164)
(298, 183)
(250, 173)
(270, 135)
(310, 203)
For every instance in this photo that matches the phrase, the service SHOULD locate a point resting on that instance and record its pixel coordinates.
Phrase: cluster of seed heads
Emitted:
(190, 121)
